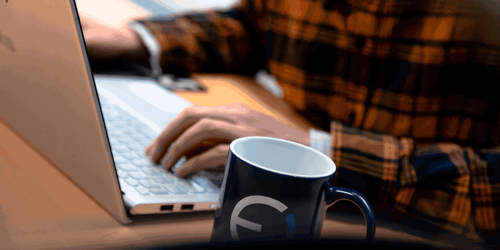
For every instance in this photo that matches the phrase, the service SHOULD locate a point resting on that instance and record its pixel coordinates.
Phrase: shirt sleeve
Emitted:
(443, 184)
(210, 41)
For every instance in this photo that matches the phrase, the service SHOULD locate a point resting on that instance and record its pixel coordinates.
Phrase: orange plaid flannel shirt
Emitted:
(407, 89)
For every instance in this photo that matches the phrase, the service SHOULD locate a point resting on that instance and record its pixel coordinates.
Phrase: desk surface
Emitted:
(41, 209)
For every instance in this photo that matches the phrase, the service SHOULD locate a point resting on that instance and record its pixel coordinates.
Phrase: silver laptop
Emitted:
(94, 129)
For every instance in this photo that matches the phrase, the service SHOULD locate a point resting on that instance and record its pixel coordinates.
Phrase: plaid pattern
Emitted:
(406, 88)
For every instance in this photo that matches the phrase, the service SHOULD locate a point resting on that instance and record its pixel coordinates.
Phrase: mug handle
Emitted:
(335, 194)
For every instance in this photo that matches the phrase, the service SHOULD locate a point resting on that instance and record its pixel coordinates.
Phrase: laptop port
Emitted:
(187, 207)
(167, 208)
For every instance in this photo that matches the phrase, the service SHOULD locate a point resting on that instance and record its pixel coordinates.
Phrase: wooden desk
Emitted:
(41, 209)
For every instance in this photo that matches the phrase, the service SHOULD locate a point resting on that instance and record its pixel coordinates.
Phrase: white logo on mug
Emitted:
(257, 199)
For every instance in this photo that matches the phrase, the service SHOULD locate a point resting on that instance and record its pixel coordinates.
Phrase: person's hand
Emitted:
(111, 42)
(203, 135)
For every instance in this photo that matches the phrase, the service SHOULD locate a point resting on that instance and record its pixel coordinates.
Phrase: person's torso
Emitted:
(415, 69)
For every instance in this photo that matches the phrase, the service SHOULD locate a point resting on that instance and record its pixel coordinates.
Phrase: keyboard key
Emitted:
(144, 142)
(151, 164)
(114, 152)
(119, 136)
(169, 174)
(109, 125)
(120, 124)
(136, 148)
(138, 175)
(130, 123)
(151, 171)
(119, 159)
(204, 183)
(122, 182)
(140, 162)
(149, 184)
(130, 155)
(158, 190)
(127, 167)
(113, 141)
(179, 162)
(108, 111)
(132, 182)
(191, 186)
(145, 157)
(175, 189)
(142, 190)
(120, 148)
(122, 174)
(110, 119)
(126, 140)
(140, 126)
(137, 136)
(197, 188)
(162, 179)
(114, 131)
(147, 133)
(123, 114)
(129, 131)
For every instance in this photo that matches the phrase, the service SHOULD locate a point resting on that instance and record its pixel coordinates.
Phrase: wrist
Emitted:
(299, 136)
(150, 45)
(321, 141)
(137, 51)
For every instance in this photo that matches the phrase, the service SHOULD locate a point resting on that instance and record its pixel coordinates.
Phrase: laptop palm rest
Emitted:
(143, 98)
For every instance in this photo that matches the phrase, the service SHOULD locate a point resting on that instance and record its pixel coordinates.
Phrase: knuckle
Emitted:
(206, 124)
(221, 149)
(241, 105)
(173, 147)
(189, 164)
(196, 163)
(192, 112)
(238, 105)
(187, 112)
(160, 143)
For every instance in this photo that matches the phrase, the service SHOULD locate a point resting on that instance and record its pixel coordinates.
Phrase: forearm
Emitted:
(211, 41)
(441, 184)
(138, 53)
(368, 162)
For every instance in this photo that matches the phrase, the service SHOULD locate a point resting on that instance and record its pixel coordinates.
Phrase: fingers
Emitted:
(206, 132)
(181, 123)
(210, 159)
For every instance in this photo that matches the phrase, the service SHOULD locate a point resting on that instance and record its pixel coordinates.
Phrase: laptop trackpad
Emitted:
(155, 95)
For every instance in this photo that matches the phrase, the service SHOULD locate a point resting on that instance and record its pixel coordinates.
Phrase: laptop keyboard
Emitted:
(129, 138)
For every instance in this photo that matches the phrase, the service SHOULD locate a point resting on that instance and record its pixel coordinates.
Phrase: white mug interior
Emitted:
(283, 157)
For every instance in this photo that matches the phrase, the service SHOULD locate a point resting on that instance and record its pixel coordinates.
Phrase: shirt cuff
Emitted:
(321, 141)
(152, 45)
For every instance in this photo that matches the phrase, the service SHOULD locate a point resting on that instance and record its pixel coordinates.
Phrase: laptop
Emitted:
(93, 128)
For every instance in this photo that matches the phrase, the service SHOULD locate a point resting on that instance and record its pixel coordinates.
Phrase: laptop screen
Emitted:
(48, 95)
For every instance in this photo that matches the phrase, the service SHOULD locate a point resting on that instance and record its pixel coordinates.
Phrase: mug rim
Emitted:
(328, 159)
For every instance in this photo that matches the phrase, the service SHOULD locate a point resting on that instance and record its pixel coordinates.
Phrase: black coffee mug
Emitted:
(278, 189)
